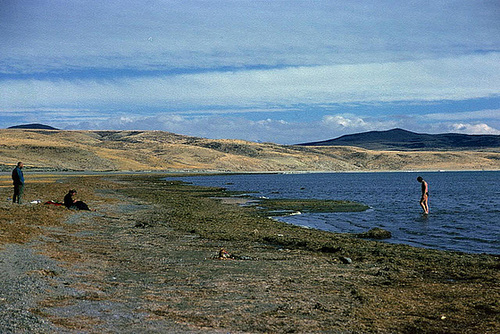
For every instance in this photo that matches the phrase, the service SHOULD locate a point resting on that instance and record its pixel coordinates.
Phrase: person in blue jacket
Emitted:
(18, 178)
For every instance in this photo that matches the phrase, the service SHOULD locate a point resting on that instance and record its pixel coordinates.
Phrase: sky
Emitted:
(286, 72)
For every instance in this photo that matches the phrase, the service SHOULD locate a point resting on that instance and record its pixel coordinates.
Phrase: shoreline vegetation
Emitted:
(147, 261)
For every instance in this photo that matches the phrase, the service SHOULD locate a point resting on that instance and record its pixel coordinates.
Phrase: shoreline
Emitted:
(465, 238)
(147, 261)
(216, 172)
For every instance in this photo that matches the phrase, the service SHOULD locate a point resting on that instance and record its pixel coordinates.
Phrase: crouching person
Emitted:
(71, 203)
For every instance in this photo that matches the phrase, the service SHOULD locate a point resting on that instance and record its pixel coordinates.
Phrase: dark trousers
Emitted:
(80, 206)
(18, 193)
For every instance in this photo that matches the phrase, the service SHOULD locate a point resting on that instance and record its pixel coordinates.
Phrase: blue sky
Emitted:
(277, 71)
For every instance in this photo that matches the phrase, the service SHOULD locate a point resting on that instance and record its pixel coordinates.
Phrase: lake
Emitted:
(464, 206)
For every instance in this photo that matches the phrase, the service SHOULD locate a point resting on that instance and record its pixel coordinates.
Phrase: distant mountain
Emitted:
(34, 126)
(399, 139)
(58, 150)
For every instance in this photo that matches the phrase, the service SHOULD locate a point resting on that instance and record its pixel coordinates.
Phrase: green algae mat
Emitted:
(277, 206)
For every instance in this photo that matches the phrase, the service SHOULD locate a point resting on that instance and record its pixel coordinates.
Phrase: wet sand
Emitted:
(146, 262)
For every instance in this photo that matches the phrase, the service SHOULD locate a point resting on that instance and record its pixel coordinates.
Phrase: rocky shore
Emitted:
(147, 261)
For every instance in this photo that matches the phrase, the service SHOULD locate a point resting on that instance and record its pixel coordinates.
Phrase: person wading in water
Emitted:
(424, 200)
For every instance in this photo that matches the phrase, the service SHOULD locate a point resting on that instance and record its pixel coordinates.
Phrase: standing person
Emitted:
(424, 200)
(18, 178)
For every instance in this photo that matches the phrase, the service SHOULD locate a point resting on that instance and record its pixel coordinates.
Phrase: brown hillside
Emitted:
(156, 150)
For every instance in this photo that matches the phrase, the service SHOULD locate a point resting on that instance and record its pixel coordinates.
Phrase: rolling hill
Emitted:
(156, 150)
(399, 139)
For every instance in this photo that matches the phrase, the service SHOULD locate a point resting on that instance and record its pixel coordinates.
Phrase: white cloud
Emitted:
(474, 129)
(352, 122)
(466, 77)
(337, 125)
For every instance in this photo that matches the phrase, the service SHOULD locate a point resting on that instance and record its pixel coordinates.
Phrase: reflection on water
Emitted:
(464, 206)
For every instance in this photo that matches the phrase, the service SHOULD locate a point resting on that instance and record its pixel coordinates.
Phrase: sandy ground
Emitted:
(146, 262)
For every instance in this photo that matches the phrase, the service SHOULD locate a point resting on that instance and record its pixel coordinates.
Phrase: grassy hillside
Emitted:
(156, 150)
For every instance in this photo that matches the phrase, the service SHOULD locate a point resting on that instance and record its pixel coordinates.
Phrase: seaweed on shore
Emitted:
(312, 205)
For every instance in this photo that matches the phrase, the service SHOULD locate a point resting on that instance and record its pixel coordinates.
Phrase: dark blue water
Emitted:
(464, 206)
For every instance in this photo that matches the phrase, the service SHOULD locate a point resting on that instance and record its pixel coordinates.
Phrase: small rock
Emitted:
(142, 225)
(346, 260)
